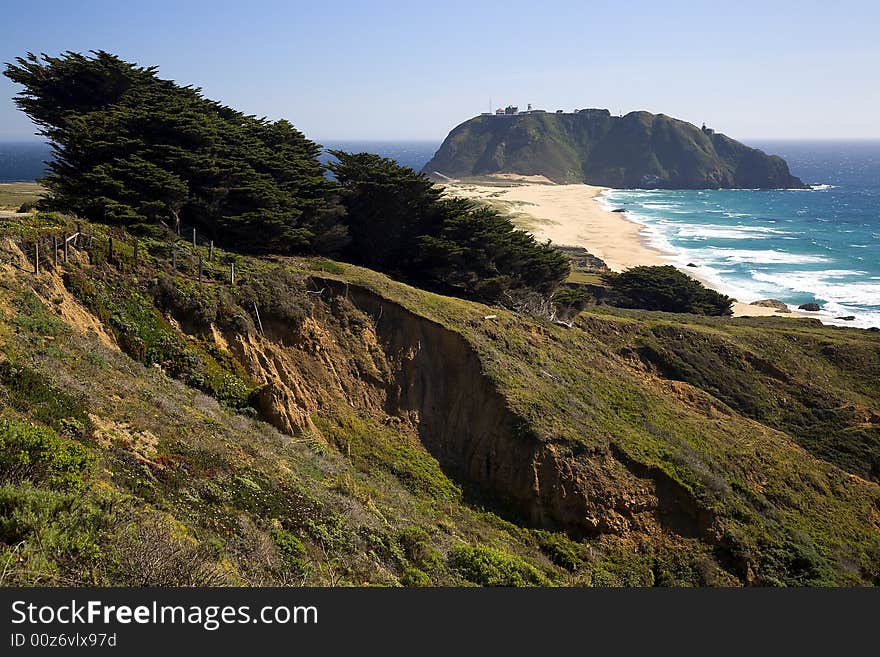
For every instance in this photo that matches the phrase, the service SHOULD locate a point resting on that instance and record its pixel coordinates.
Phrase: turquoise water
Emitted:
(820, 245)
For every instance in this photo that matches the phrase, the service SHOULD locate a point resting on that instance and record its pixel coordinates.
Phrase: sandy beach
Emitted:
(572, 215)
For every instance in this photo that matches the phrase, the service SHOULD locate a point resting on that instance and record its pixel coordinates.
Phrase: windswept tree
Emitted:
(664, 288)
(400, 222)
(132, 148)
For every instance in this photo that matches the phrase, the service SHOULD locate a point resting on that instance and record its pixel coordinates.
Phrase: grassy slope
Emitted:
(777, 503)
(252, 505)
(12, 195)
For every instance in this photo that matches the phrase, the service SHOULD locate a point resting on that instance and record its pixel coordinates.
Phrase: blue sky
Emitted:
(413, 70)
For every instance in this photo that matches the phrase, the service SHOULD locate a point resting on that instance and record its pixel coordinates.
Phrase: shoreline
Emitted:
(577, 215)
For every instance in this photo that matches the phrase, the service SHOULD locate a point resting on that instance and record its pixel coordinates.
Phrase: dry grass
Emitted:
(12, 195)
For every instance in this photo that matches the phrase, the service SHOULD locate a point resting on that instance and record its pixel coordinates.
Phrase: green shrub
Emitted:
(50, 536)
(413, 577)
(288, 544)
(572, 298)
(31, 393)
(32, 316)
(664, 288)
(488, 566)
(560, 549)
(34, 453)
(417, 546)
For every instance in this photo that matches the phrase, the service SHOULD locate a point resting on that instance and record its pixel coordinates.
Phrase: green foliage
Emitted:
(51, 537)
(400, 223)
(33, 317)
(664, 288)
(32, 393)
(413, 577)
(37, 454)
(638, 150)
(279, 293)
(131, 148)
(292, 550)
(489, 566)
(771, 392)
(418, 549)
(622, 569)
(571, 299)
(220, 499)
(289, 545)
(145, 335)
(372, 445)
(560, 549)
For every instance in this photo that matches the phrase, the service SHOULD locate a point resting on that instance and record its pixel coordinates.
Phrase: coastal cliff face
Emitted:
(638, 150)
(364, 431)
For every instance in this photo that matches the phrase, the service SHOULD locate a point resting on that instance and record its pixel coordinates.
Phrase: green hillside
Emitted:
(361, 431)
(638, 150)
(206, 380)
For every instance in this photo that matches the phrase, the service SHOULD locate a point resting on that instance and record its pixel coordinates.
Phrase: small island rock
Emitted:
(780, 306)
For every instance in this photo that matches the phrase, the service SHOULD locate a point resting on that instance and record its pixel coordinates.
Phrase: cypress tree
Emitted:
(132, 148)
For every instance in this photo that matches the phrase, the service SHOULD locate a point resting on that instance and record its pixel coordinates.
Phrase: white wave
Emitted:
(821, 187)
(659, 206)
(821, 284)
(738, 256)
(722, 232)
(838, 296)
(841, 273)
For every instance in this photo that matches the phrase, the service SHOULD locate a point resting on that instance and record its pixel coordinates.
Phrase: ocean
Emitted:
(414, 154)
(26, 161)
(22, 161)
(820, 245)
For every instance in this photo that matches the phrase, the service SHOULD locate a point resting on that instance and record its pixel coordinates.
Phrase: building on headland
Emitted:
(513, 110)
(707, 131)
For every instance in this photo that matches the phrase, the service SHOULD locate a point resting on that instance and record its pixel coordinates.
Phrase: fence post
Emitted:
(259, 321)
(211, 252)
(232, 273)
(65, 247)
(37, 257)
(194, 238)
(79, 231)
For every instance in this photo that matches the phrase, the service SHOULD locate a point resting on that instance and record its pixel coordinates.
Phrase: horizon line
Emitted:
(321, 140)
